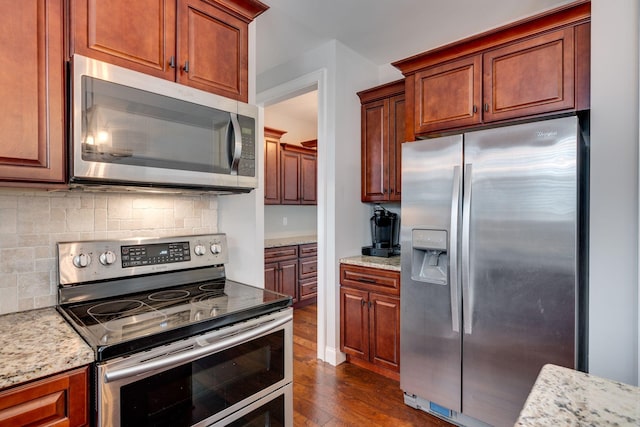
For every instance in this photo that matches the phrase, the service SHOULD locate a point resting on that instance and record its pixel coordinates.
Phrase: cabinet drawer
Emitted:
(308, 288)
(370, 279)
(308, 267)
(57, 400)
(309, 249)
(280, 254)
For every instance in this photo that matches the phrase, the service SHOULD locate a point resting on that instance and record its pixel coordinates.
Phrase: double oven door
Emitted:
(240, 375)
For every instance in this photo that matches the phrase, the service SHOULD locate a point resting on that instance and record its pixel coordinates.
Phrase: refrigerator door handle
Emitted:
(454, 282)
(467, 293)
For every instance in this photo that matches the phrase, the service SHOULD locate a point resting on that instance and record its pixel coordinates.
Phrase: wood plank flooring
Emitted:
(344, 395)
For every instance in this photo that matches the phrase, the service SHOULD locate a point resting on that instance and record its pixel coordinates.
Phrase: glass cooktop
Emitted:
(126, 324)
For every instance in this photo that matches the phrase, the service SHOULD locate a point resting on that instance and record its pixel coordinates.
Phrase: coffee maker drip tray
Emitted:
(381, 252)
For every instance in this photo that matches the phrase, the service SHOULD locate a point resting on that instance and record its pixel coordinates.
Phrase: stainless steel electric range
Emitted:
(176, 343)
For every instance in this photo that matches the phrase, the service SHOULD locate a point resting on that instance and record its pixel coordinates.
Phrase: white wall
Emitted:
(289, 221)
(613, 299)
(342, 228)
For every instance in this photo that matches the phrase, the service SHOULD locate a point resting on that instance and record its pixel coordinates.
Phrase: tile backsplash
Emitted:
(31, 223)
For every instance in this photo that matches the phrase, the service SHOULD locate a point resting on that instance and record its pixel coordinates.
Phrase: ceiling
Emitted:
(381, 30)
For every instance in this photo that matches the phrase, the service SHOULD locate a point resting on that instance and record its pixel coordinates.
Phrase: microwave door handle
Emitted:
(235, 142)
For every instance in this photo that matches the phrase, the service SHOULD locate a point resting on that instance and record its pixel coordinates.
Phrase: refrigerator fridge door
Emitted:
(518, 262)
(430, 354)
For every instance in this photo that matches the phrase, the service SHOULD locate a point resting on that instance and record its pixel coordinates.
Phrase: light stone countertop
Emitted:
(564, 397)
(391, 263)
(38, 343)
(289, 241)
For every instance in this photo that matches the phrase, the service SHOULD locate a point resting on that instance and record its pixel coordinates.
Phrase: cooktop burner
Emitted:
(135, 310)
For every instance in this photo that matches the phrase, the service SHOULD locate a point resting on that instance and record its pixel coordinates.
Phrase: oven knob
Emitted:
(107, 258)
(200, 250)
(215, 249)
(81, 260)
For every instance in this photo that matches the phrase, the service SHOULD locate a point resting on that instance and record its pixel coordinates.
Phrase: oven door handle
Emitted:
(204, 349)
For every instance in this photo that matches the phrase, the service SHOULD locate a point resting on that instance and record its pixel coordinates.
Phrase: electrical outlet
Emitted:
(284, 220)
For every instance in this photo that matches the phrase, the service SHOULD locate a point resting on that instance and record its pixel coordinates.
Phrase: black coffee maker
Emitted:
(385, 232)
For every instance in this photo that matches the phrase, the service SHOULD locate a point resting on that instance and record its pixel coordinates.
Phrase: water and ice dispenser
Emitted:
(429, 256)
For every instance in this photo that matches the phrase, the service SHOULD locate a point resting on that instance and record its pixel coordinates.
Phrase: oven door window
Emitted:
(128, 126)
(190, 393)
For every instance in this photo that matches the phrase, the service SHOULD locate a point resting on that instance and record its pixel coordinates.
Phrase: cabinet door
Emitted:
(308, 179)
(531, 77)
(354, 323)
(448, 95)
(212, 49)
(271, 172)
(60, 400)
(289, 177)
(271, 276)
(375, 151)
(32, 91)
(396, 138)
(139, 35)
(289, 278)
(384, 331)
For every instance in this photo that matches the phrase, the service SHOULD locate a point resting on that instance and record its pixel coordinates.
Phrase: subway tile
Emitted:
(17, 260)
(8, 220)
(80, 219)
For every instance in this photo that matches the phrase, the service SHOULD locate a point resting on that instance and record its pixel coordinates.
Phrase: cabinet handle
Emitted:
(362, 302)
(486, 107)
(475, 109)
(370, 304)
(172, 62)
(365, 280)
(186, 67)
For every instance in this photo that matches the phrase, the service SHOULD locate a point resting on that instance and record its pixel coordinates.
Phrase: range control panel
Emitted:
(88, 261)
(157, 253)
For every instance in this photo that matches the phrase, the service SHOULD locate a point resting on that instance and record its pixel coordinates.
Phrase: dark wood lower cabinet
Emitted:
(292, 270)
(370, 318)
(60, 400)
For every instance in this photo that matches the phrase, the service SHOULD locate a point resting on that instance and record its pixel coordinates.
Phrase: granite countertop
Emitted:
(564, 397)
(289, 241)
(38, 343)
(391, 263)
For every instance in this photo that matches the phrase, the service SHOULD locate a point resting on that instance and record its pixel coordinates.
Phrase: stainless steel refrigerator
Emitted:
(493, 276)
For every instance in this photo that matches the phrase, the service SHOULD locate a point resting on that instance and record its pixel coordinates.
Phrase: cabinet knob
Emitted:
(186, 67)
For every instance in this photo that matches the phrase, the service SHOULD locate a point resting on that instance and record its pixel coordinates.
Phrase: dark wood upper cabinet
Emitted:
(200, 43)
(298, 175)
(382, 134)
(139, 35)
(535, 67)
(449, 95)
(530, 77)
(213, 49)
(32, 90)
(272, 165)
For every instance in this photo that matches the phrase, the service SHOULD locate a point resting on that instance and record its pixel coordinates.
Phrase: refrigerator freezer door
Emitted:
(520, 296)
(430, 321)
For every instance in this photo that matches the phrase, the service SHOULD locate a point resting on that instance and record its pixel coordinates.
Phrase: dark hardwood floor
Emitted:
(344, 395)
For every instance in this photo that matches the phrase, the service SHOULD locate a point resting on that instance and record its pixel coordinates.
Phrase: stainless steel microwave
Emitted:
(128, 129)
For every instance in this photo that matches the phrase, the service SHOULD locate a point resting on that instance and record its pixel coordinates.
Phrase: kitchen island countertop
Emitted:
(390, 263)
(564, 397)
(37, 343)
